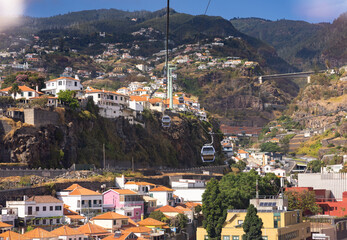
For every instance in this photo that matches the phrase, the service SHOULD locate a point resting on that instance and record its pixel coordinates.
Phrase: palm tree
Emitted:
(14, 90)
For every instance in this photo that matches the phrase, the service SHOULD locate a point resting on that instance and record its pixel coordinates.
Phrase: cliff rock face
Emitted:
(79, 138)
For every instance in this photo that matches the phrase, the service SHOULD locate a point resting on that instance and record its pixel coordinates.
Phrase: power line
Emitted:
(209, 1)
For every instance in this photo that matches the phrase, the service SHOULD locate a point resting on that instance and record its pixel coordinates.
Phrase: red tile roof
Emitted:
(161, 189)
(39, 233)
(93, 229)
(83, 191)
(44, 199)
(168, 208)
(125, 191)
(110, 216)
(150, 222)
(66, 231)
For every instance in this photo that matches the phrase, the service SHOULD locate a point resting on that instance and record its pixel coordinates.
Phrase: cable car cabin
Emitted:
(208, 153)
(166, 121)
(181, 99)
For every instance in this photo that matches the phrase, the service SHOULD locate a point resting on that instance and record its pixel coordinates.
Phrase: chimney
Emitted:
(25, 197)
(37, 88)
(76, 77)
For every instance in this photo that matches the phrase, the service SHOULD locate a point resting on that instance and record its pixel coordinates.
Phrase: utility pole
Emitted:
(104, 155)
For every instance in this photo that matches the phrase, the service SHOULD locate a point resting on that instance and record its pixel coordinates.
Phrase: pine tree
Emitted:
(214, 210)
(252, 225)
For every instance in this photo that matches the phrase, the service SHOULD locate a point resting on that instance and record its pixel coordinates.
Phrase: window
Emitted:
(60, 83)
(99, 95)
(115, 98)
(82, 202)
(94, 202)
(44, 221)
(57, 208)
(30, 94)
(277, 220)
(137, 213)
(124, 222)
(114, 222)
(37, 209)
(50, 208)
(225, 237)
(236, 238)
(37, 222)
(22, 94)
(129, 214)
(58, 220)
(75, 84)
(239, 222)
(44, 208)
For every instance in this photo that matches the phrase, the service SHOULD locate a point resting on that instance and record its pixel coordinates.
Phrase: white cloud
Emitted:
(10, 12)
(322, 9)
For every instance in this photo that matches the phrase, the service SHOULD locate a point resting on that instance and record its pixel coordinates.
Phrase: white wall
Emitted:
(190, 194)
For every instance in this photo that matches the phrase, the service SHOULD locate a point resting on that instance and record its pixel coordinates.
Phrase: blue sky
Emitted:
(308, 10)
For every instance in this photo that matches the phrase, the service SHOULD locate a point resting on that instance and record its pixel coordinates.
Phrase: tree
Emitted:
(197, 209)
(252, 225)
(270, 147)
(14, 90)
(315, 165)
(180, 221)
(158, 215)
(213, 209)
(305, 201)
(68, 97)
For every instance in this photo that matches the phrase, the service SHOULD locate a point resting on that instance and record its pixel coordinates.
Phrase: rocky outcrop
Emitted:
(80, 139)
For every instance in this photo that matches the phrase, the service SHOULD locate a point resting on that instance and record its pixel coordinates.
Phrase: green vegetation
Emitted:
(304, 200)
(252, 225)
(270, 147)
(232, 192)
(315, 165)
(67, 97)
(158, 215)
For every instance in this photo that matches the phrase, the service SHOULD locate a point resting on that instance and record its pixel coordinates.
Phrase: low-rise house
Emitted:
(174, 211)
(10, 235)
(111, 104)
(67, 233)
(24, 93)
(163, 195)
(39, 210)
(72, 217)
(39, 234)
(4, 227)
(82, 200)
(54, 86)
(93, 231)
(124, 201)
(151, 204)
(123, 91)
(152, 224)
(141, 188)
(111, 221)
(242, 154)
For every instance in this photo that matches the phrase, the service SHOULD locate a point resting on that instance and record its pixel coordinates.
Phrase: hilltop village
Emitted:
(290, 165)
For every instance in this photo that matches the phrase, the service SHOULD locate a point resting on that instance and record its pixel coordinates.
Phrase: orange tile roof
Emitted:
(161, 189)
(5, 225)
(138, 230)
(9, 235)
(140, 183)
(121, 237)
(155, 100)
(192, 204)
(71, 78)
(75, 217)
(138, 98)
(93, 229)
(184, 209)
(242, 151)
(150, 222)
(68, 211)
(44, 199)
(66, 231)
(168, 208)
(110, 216)
(22, 88)
(125, 191)
(72, 187)
(83, 191)
(39, 233)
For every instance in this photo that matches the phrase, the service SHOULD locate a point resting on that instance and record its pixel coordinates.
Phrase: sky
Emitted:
(308, 10)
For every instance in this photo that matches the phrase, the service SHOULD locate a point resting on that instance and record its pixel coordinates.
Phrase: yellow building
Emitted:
(277, 225)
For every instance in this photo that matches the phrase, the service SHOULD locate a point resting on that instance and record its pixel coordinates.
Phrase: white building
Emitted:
(67, 233)
(81, 200)
(163, 195)
(123, 91)
(39, 208)
(142, 67)
(189, 189)
(141, 188)
(111, 221)
(54, 86)
(24, 93)
(110, 103)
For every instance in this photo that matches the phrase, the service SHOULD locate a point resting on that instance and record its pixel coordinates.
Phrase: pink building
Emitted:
(125, 202)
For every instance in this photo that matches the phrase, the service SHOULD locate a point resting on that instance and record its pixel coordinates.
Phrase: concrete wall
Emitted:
(8, 172)
(335, 182)
(40, 117)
